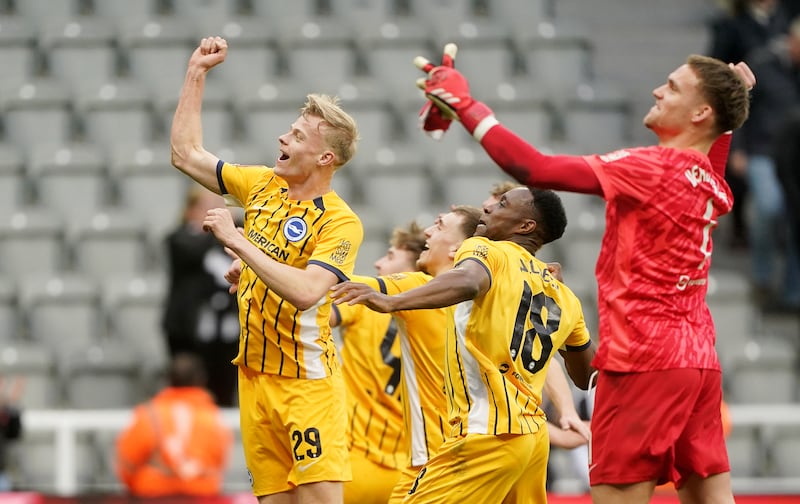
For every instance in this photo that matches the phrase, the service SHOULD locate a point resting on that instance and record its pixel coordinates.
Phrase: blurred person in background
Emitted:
(10, 425)
(742, 27)
(201, 316)
(772, 242)
(176, 443)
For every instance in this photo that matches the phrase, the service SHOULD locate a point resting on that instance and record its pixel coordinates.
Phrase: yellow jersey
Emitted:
(371, 370)
(276, 337)
(422, 342)
(499, 344)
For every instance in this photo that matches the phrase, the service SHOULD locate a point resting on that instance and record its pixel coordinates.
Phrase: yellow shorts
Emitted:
(293, 430)
(407, 478)
(372, 483)
(507, 468)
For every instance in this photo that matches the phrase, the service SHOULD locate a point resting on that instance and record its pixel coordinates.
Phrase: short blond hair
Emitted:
(340, 132)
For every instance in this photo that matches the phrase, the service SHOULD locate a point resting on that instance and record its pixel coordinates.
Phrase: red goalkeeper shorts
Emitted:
(657, 425)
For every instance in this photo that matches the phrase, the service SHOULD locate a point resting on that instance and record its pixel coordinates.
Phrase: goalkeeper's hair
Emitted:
(549, 214)
(724, 90)
(410, 237)
(338, 129)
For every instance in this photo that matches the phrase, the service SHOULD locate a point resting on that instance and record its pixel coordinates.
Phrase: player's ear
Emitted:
(702, 113)
(528, 226)
(327, 158)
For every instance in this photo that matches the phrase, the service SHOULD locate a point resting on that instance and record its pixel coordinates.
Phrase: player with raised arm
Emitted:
(299, 239)
(657, 409)
(506, 316)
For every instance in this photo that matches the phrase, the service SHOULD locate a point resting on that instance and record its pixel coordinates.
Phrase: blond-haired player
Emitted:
(300, 238)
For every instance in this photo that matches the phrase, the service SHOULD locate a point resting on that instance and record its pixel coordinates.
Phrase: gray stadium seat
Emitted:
(596, 118)
(195, 11)
(9, 317)
(745, 452)
(38, 12)
(70, 180)
(61, 312)
(360, 13)
(253, 56)
(148, 185)
(765, 373)
(36, 365)
(217, 116)
(397, 182)
(523, 108)
(157, 51)
(121, 11)
(377, 232)
(81, 51)
(109, 243)
(319, 54)
(116, 112)
(364, 100)
(31, 240)
(269, 10)
(785, 450)
(389, 49)
(20, 55)
(133, 306)
(37, 112)
(556, 54)
(35, 463)
(734, 315)
(14, 187)
(101, 375)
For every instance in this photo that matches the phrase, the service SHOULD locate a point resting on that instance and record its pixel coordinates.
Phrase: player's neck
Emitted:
(686, 140)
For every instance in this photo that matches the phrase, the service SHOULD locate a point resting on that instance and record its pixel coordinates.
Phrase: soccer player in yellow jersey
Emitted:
(371, 369)
(509, 314)
(300, 238)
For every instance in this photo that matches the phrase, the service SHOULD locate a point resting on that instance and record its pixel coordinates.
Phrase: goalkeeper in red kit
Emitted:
(657, 404)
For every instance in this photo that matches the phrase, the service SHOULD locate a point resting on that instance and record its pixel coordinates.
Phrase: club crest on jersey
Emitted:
(295, 229)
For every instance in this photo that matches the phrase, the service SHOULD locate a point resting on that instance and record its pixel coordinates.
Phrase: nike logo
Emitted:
(303, 467)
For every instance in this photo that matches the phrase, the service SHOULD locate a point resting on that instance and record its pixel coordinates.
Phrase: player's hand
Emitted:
(359, 293)
(220, 222)
(744, 73)
(234, 270)
(573, 422)
(210, 53)
(555, 269)
(566, 439)
(449, 90)
(432, 120)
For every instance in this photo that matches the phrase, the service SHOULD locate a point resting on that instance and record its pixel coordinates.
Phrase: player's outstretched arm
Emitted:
(186, 135)
(449, 90)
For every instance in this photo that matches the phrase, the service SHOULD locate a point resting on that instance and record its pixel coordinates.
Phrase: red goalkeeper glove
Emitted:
(431, 118)
(449, 91)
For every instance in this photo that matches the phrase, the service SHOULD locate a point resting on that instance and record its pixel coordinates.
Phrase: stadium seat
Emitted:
(557, 54)
(523, 108)
(109, 242)
(31, 240)
(133, 307)
(61, 312)
(765, 373)
(148, 185)
(596, 118)
(785, 450)
(35, 464)
(319, 54)
(361, 13)
(101, 375)
(36, 365)
(21, 60)
(253, 57)
(38, 12)
(14, 187)
(377, 232)
(37, 112)
(70, 180)
(116, 112)
(745, 452)
(9, 318)
(236, 477)
(397, 182)
(157, 51)
(269, 10)
(197, 11)
(120, 11)
(467, 181)
(81, 51)
(735, 317)
(389, 49)
(217, 116)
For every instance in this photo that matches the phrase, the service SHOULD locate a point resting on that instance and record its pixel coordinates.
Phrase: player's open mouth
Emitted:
(283, 156)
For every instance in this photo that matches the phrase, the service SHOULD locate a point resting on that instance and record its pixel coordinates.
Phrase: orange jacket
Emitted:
(175, 445)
